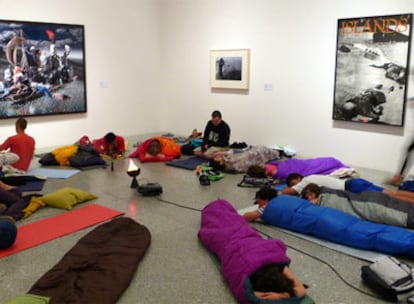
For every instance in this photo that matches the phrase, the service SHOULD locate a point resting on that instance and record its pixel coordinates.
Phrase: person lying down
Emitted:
(372, 206)
(255, 268)
(299, 215)
(283, 168)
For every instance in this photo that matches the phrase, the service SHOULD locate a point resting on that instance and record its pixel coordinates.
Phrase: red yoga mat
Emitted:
(40, 232)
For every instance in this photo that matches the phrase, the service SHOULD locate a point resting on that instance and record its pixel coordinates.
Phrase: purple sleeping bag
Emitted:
(305, 167)
(240, 249)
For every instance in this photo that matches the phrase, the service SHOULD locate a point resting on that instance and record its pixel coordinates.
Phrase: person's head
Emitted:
(154, 148)
(256, 171)
(311, 192)
(217, 163)
(293, 179)
(264, 195)
(8, 233)
(21, 124)
(216, 118)
(110, 137)
(270, 278)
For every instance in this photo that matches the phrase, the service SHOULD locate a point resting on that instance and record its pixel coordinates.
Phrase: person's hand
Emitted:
(271, 295)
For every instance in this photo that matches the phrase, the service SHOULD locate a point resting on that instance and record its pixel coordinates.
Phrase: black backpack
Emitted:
(255, 182)
(389, 277)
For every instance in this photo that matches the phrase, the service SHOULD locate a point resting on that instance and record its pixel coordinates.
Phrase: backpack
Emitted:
(255, 182)
(389, 277)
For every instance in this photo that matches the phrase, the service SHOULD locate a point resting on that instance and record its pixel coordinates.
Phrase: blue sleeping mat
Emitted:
(189, 163)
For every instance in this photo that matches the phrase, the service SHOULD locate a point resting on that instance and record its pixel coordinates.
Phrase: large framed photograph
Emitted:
(229, 69)
(372, 64)
(42, 69)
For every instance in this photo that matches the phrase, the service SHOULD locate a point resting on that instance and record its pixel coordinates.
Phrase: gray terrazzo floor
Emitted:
(177, 268)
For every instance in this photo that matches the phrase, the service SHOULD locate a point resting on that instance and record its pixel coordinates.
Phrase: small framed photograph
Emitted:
(229, 69)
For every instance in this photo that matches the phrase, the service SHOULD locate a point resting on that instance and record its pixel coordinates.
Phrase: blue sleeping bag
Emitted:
(300, 215)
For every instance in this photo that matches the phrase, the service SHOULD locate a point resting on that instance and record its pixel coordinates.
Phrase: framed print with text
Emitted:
(371, 75)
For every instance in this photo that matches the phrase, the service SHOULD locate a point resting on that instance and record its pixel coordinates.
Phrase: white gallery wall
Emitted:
(293, 48)
(153, 57)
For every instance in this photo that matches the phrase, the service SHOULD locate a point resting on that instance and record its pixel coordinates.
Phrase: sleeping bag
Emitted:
(169, 148)
(305, 167)
(300, 215)
(373, 206)
(99, 267)
(256, 155)
(240, 249)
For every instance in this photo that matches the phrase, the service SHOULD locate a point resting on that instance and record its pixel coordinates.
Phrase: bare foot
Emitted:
(397, 180)
(5, 186)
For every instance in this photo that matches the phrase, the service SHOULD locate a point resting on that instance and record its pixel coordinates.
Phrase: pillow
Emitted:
(28, 299)
(67, 197)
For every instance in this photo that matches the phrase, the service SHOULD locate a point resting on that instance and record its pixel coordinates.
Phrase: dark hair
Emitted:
(312, 187)
(256, 171)
(215, 165)
(291, 177)
(270, 278)
(216, 114)
(266, 193)
(21, 123)
(154, 147)
(110, 137)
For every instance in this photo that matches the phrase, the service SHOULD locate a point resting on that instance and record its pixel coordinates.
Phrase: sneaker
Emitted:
(204, 181)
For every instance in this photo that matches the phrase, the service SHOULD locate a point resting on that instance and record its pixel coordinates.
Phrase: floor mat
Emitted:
(53, 173)
(189, 163)
(35, 185)
(24, 182)
(40, 232)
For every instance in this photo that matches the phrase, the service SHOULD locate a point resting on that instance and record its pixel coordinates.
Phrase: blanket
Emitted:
(301, 216)
(240, 162)
(372, 206)
(305, 167)
(78, 156)
(99, 267)
(169, 148)
(240, 249)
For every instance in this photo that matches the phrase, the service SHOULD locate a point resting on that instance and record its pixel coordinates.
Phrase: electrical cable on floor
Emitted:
(175, 204)
(289, 246)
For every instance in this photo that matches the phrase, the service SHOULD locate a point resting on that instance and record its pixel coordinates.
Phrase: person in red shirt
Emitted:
(21, 144)
(110, 145)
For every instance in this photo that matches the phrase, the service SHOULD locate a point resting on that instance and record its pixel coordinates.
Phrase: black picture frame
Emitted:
(372, 67)
(42, 68)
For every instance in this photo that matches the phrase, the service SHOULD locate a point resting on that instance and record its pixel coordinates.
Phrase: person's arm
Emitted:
(207, 130)
(252, 215)
(289, 191)
(121, 144)
(224, 135)
(298, 287)
(275, 296)
(5, 145)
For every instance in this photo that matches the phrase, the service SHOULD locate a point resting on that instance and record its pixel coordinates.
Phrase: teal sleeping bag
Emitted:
(299, 215)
